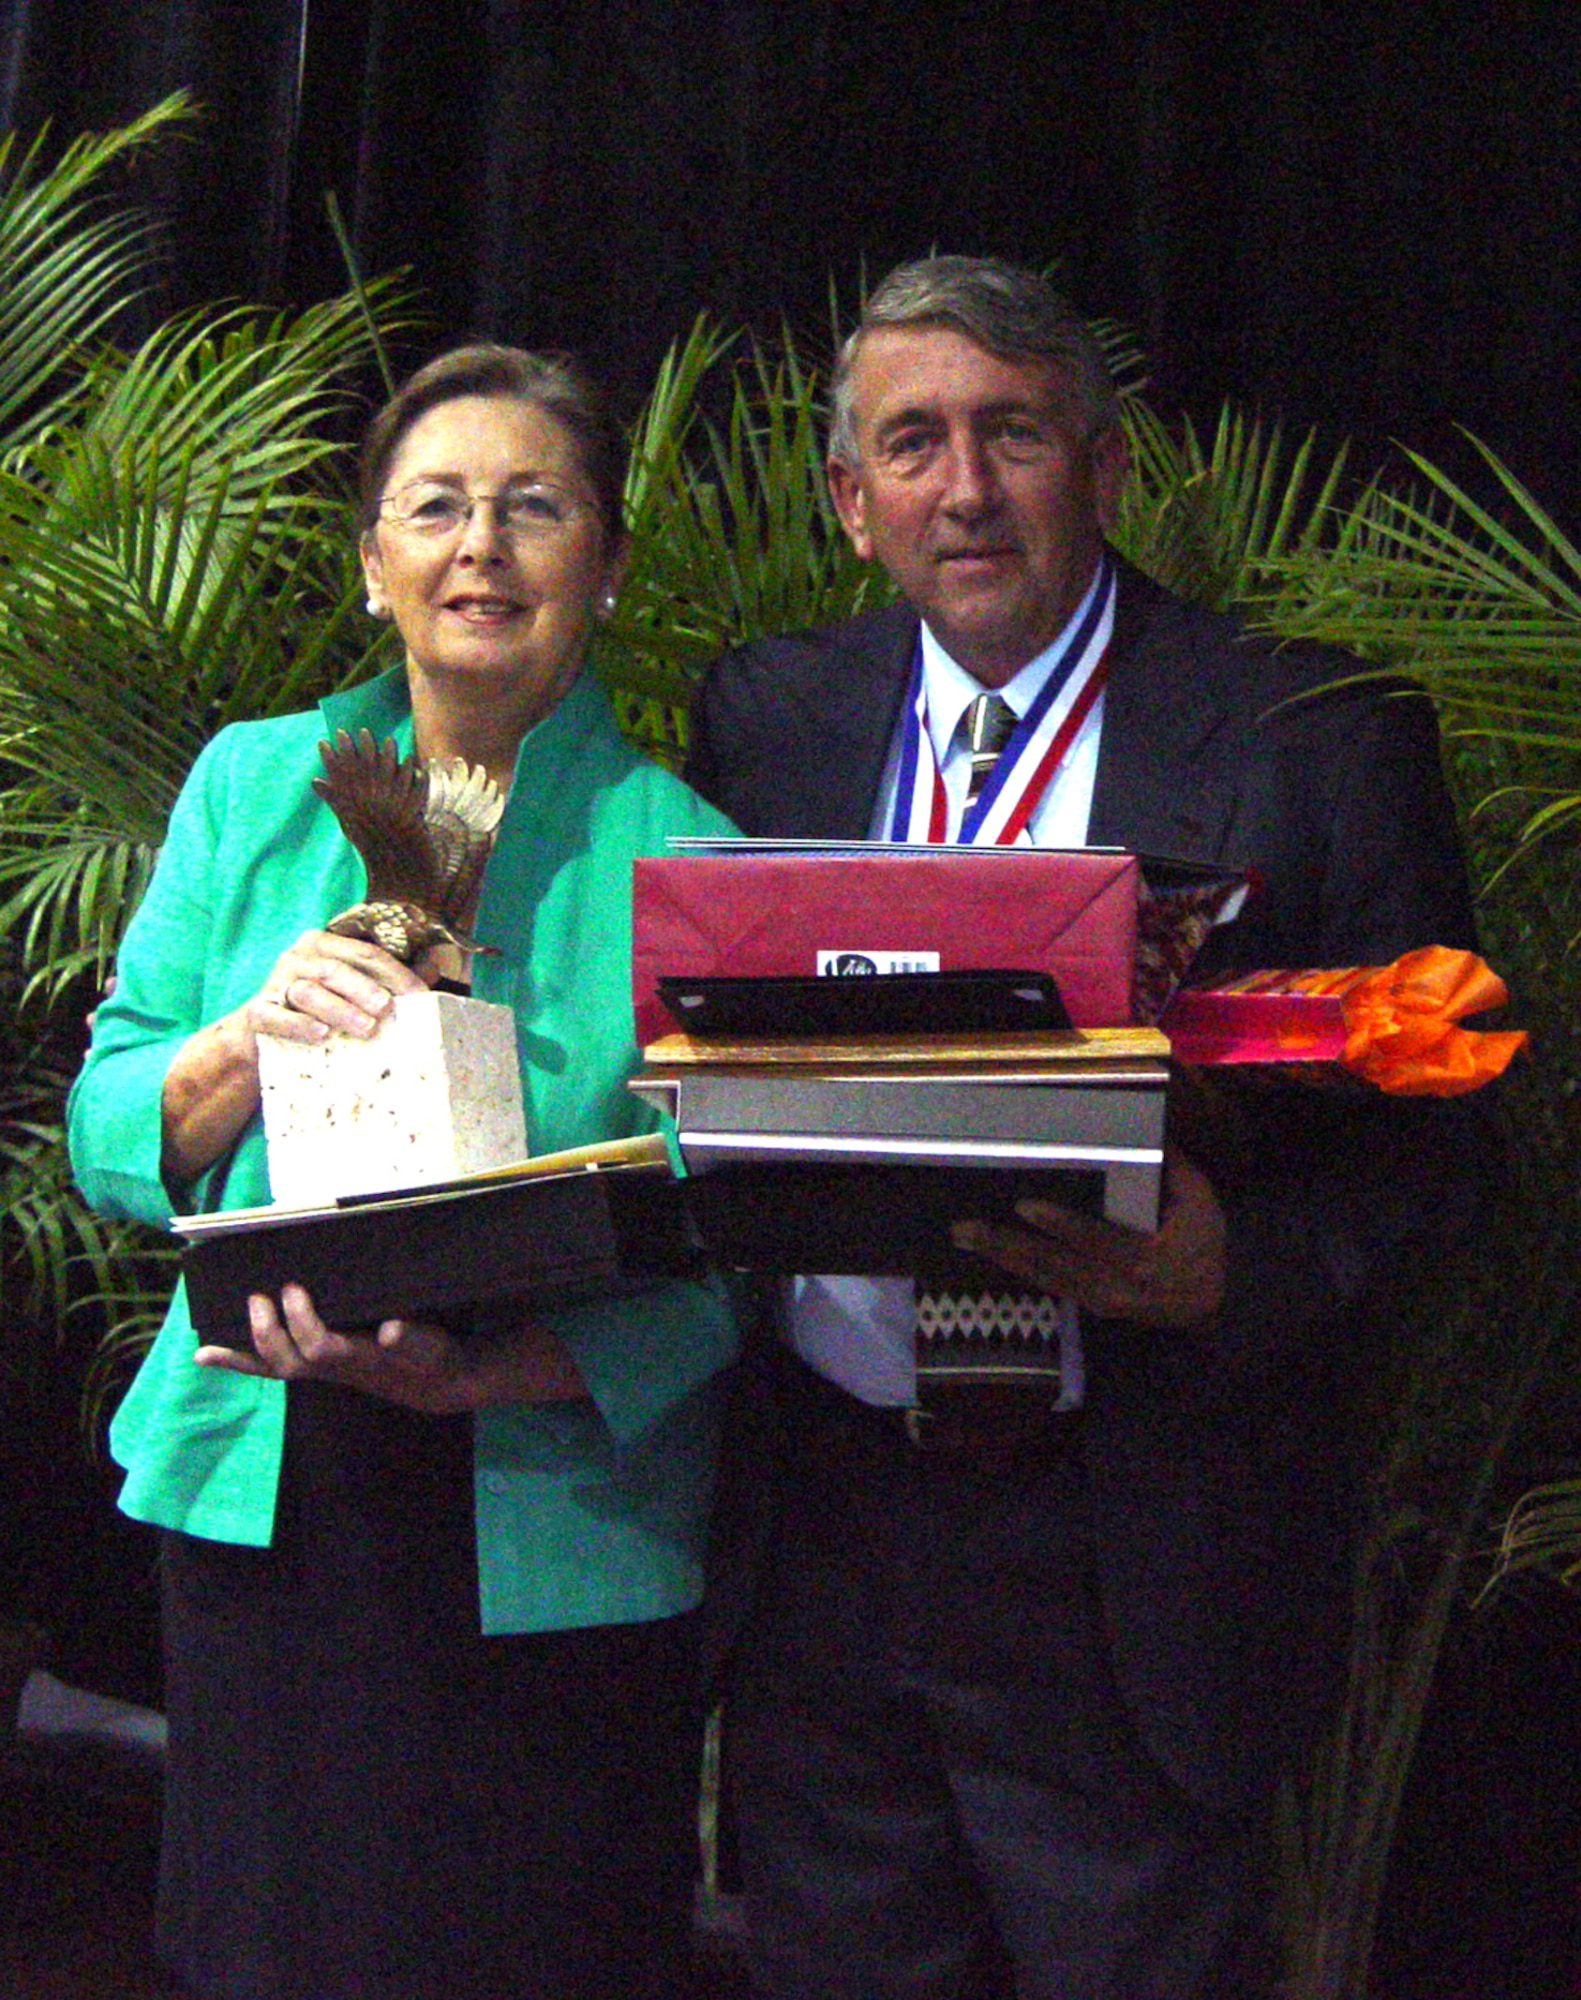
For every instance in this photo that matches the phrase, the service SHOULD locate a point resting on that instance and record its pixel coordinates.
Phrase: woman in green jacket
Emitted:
(431, 1680)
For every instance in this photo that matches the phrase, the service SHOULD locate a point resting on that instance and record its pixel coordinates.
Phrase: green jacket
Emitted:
(590, 1512)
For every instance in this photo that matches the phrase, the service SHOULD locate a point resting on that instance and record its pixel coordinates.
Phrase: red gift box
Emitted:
(763, 913)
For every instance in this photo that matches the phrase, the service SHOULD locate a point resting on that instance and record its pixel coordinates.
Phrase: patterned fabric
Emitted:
(942, 1316)
(979, 1337)
(990, 722)
(1007, 1337)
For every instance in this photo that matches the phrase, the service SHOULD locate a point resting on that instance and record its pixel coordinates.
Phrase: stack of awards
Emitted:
(836, 1113)
(850, 1068)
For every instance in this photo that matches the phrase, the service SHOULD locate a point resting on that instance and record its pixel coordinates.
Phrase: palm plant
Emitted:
(1483, 602)
(1483, 610)
(69, 264)
(51, 1239)
(1212, 519)
(1543, 1531)
(176, 552)
(161, 574)
(733, 533)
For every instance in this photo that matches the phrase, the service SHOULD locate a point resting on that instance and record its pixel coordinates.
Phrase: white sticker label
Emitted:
(849, 964)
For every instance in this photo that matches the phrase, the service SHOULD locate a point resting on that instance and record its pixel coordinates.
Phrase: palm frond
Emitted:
(659, 437)
(51, 1235)
(1543, 1531)
(1432, 577)
(239, 394)
(1123, 354)
(68, 262)
(129, 632)
(1482, 607)
(116, 665)
(1214, 521)
(733, 532)
(66, 899)
(179, 558)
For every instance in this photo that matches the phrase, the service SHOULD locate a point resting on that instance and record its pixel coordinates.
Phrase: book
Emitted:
(1090, 1052)
(1111, 1126)
(789, 1215)
(602, 1219)
(1117, 1113)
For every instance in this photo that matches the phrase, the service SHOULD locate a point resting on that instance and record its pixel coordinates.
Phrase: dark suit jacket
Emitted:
(1215, 1456)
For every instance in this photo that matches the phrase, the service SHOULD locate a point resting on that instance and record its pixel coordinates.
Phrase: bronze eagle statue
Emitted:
(423, 830)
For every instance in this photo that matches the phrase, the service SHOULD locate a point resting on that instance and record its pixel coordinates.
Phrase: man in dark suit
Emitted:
(1018, 1683)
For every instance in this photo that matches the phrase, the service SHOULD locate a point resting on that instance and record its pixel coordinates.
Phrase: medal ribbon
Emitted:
(1032, 755)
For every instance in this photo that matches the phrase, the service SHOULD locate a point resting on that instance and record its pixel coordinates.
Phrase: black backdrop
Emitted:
(1360, 217)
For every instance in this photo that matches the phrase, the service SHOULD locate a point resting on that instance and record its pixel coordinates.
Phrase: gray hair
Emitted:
(1011, 312)
(557, 384)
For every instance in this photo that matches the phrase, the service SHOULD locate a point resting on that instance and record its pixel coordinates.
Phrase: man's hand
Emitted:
(1172, 1279)
(405, 1361)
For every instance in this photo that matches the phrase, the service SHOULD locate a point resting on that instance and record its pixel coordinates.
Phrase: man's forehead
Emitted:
(940, 368)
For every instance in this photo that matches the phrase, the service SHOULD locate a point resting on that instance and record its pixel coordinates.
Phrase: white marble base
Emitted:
(436, 1093)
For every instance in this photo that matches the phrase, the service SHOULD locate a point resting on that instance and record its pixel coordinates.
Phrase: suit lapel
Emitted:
(856, 709)
(1170, 751)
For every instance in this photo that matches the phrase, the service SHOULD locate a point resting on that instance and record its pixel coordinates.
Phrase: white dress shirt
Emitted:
(858, 1331)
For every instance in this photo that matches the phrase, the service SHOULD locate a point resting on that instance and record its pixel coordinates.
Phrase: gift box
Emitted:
(1396, 1027)
(782, 909)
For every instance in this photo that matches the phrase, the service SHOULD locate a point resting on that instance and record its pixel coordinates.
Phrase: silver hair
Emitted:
(1013, 313)
(557, 384)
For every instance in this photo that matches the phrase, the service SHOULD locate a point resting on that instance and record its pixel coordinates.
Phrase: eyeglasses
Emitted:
(524, 513)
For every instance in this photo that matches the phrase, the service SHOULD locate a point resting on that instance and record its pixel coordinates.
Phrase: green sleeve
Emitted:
(644, 1355)
(113, 1113)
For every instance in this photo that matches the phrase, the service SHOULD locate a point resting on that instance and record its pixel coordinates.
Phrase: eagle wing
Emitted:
(380, 800)
(463, 810)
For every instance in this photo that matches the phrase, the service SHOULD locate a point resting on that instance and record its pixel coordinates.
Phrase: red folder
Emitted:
(760, 914)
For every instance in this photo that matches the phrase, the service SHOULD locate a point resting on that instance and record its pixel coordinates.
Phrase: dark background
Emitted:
(1358, 217)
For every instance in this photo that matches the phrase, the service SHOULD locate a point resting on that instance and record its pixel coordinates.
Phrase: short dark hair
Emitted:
(557, 384)
(1009, 311)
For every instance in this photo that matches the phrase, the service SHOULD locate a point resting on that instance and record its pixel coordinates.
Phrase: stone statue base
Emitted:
(435, 1094)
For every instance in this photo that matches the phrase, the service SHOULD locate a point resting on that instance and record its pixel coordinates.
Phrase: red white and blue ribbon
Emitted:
(1033, 754)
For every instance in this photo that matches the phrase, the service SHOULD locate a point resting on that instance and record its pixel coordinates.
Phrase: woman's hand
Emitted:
(405, 1361)
(321, 982)
(326, 981)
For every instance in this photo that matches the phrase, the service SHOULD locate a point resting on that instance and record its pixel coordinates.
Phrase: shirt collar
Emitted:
(384, 707)
(949, 689)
